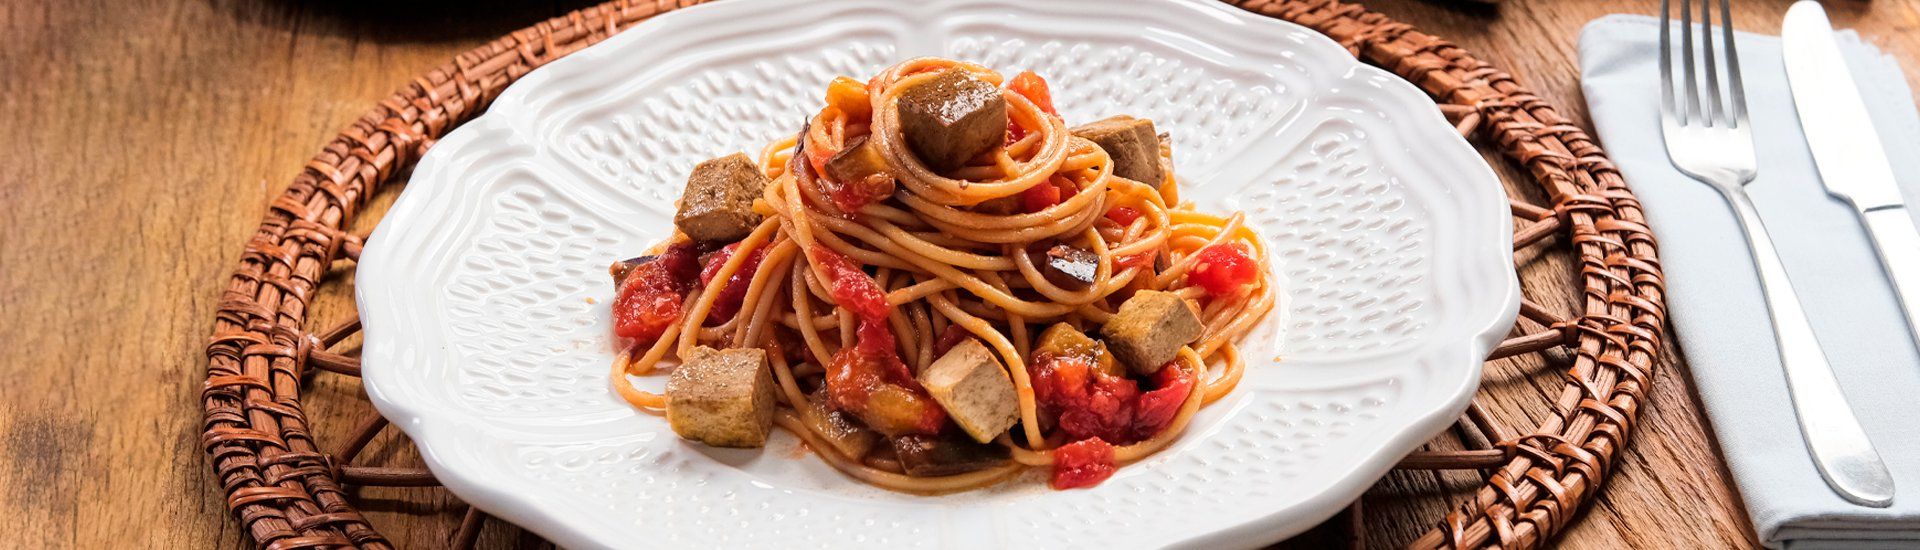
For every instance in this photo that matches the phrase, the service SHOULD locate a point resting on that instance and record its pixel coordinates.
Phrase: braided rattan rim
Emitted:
(287, 493)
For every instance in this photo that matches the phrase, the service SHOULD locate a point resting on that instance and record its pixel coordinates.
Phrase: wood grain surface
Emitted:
(140, 142)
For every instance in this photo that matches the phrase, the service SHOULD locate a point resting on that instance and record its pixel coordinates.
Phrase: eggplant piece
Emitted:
(620, 269)
(858, 160)
(947, 454)
(894, 410)
(1070, 267)
(840, 430)
(1062, 339)
(797, 163)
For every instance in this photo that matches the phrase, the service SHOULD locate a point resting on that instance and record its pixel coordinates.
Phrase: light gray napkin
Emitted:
(1713, 293)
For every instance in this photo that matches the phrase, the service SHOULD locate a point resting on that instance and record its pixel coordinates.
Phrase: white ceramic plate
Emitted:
(484, 290)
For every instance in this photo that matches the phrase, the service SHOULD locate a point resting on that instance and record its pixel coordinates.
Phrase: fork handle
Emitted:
(1841, 451)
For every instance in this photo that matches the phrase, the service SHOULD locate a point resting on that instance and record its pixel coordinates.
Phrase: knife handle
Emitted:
(1841, 450)
(1898, 245)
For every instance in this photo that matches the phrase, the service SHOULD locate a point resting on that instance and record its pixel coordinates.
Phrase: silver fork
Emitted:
(1708, 138)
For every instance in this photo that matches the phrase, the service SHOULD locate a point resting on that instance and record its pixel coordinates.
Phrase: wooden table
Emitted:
(140, 141)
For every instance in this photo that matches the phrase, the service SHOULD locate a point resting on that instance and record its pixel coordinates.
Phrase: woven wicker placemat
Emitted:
(288, 493)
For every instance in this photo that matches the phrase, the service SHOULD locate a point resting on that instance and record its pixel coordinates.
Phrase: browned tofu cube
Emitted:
(1131, 142)
(718, 202)
(722, 398)
(951, 118)
(1149, 329)
(974, 389)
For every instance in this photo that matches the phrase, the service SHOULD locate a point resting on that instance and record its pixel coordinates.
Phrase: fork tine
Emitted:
(1712, 114)
(1692, 110)
(1666, 62)
(1737, 114)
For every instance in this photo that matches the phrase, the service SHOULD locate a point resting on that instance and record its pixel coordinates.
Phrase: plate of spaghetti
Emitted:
(956, 274)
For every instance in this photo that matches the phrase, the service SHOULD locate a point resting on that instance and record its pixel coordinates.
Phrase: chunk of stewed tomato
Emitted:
(1223, 268)
(1083, 400)
(1086, 401)
(1034, 88)
(1047, 193)
(649, 298)
(1082, 463)
(1155, 409)
(1123, 215)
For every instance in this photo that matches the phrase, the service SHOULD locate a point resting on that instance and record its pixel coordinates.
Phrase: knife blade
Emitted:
(1847, 151)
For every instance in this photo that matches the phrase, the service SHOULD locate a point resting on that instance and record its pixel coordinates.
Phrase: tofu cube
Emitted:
(717, 205)
(1131, 142)
(723, 398)
(1149, 329)
(974, 389)
(951, 118)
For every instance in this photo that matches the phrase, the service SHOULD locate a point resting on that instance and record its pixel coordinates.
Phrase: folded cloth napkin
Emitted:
(1713, 291)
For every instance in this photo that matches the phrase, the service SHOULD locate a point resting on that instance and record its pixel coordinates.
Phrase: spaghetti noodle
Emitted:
(854, 286)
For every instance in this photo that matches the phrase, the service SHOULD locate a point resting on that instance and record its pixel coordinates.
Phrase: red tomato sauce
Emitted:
(868, 379)
(734, 289)
(851, 288)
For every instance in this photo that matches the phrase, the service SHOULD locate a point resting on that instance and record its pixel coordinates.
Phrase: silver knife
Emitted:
(1847, 151)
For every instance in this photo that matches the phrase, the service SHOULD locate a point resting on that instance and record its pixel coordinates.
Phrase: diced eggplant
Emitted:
(894, 410)
(858, 160)
(717, 205)
(621, 268)
(951, 118)
(723, 398)
(945, 455)
(1062, 339)
(838, 429)
(857, 175)
(975, 390)
(1149, 329)
(1070, 267)
(797, 163)
(1132, 144)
